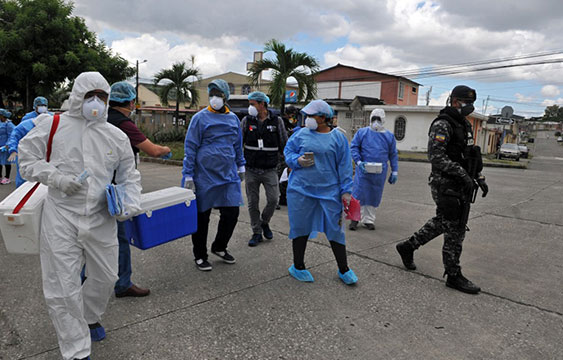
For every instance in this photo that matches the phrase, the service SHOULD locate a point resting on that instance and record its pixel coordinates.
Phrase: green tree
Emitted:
(42, 46)
(553, 113)
(287, 63)
(179, 86)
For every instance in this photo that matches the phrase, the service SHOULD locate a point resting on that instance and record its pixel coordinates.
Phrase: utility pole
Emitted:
(486, 105)
(428, 96)
(137, 84)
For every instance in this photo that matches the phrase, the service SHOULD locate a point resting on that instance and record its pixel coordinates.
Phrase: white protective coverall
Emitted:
(78, 229)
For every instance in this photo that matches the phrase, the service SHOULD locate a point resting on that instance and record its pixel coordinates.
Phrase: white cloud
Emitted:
(523, 99)
(440, 100)
(160, 53)
(379, 58)
(549, 102)
(550, 91)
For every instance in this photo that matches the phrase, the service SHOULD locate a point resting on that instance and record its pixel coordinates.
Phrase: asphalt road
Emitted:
(255, 310)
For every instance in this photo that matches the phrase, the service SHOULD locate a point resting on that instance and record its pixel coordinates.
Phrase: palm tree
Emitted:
(178, 86)
(288, 63)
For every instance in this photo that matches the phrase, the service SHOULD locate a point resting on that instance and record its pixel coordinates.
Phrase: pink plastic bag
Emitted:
(353, 210)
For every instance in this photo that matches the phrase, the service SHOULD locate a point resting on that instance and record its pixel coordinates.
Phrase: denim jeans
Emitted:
(124, 272)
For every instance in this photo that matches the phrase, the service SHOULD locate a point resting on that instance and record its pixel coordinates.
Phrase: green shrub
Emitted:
(171, 135)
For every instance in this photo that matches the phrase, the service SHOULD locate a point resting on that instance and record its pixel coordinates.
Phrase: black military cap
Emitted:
(464, 93)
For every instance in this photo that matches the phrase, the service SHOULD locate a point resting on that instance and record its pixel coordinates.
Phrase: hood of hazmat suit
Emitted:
(78, 228)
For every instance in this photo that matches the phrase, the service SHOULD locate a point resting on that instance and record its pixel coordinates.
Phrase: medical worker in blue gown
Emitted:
(318, 185)
(373, 144)
(40, 105)
(214, 168)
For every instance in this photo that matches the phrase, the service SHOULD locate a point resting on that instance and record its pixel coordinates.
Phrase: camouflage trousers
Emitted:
(443, 223)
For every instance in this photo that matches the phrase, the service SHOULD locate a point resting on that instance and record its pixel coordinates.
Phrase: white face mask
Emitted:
(93, 108)
(377, 126)
(216, 102)
(252, 111)
(311, 123)
(41, 109)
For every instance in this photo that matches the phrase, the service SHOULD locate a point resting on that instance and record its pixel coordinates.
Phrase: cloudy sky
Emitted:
(392, 36)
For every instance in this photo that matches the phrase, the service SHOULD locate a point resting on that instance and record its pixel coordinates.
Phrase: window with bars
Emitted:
(400, 128)
(401, 90)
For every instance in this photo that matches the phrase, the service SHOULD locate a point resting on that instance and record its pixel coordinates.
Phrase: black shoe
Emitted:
(278, 207)
(267, 232)
(203, 265)
(370, 226)
(228, 258)
(255, 240)
(406, 251)
(353, 225)
(459, 282)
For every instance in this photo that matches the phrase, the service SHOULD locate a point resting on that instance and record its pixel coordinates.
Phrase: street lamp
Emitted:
(137, 86)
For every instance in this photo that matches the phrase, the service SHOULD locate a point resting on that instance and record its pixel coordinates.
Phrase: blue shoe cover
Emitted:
(301, 275)
(98, 334)
(348, 277)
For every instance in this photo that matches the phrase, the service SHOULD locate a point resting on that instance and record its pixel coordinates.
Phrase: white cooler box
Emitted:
(21, 231)
(166, 215)
(374, 168)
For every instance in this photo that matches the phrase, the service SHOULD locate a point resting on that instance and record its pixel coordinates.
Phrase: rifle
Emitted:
(468, 197)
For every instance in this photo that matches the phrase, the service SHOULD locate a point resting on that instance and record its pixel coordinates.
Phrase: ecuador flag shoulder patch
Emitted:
(440, 138)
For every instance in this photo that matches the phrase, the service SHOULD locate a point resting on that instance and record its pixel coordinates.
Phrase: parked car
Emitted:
(510, 151)
(560, 139)
(524, 151)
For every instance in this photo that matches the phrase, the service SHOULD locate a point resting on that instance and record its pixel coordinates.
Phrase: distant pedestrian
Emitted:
(450, 144)
(319, 183)
(264, 138)
(6, 128)
(372, 148)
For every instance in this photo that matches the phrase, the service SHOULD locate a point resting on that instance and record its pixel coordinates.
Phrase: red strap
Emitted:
(26, 197)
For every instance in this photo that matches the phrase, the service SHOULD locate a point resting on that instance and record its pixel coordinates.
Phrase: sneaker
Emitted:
(97, 332)
(228, 258)
(459, 282)
(4, 181)
(255, 240)
(370, 226)
(406, 251)
(353, 225)
(203, 265)
(267, 232)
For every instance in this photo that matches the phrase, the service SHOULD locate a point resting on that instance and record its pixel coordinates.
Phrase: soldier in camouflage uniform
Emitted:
(450, 139)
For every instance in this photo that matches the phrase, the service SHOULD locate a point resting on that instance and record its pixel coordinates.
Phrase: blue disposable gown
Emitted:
(6, 128)
(314, 193)
(372, 146)
(19, 132)
(212, 156)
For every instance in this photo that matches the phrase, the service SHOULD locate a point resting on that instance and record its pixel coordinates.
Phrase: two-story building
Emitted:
(347, 82)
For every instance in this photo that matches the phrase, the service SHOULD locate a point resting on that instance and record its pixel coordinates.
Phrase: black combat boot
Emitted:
(459, 282)
(406, 251)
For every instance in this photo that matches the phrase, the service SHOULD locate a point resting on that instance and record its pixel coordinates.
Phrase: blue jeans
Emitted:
(124, 271)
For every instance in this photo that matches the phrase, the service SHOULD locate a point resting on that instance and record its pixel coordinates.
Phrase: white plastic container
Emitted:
(374, 167)
(21, 231)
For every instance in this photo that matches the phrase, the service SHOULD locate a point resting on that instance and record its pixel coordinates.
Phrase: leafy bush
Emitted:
(171, 135)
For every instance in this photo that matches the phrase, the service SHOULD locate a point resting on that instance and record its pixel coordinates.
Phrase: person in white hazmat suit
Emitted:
(76, 227)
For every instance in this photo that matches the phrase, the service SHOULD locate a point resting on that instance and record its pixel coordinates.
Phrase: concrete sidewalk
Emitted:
(255, 310)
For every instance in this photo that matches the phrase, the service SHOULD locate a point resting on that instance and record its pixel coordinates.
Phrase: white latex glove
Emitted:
(241, 172)
(67, 184)
(12, 157)
(346, 197)
(305, 162)
(189, 183)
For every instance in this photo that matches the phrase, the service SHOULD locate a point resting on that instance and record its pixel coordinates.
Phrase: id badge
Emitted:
(260, 144)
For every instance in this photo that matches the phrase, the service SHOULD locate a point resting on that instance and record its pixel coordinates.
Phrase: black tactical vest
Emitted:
(461, 141)
(261, 142)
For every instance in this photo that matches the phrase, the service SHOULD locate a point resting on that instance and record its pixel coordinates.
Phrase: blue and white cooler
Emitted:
(166, 215)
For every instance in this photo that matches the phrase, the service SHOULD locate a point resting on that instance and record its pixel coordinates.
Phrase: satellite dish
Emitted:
(507, 112)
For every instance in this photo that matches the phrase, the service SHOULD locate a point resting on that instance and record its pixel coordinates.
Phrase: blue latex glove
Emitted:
(362, 167)
(393, 179)
(4, 148)
(167, 156)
